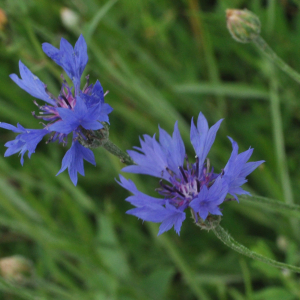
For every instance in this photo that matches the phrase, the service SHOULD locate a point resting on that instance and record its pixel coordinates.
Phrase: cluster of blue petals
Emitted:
(69, 112)
(182, 184)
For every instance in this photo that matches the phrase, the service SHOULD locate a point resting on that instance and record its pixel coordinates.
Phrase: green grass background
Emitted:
(161, 61)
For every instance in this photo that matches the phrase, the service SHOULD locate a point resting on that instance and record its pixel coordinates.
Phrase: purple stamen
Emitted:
(183, 174)
(50, 94)
(87, 83)
(198, 185)
(197, 166)
(166, 187)
(65, 100)
(169, 171)
(178, 192)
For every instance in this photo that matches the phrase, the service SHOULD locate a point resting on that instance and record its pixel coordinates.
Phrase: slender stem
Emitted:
(115, 150)
(273, 204)
(277, 121)
(279, 142)
(266, 49)
(228, 240)
(278, 134)
(100, 138)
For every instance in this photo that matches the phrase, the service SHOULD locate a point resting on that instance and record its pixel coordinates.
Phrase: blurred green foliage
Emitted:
(162, 61)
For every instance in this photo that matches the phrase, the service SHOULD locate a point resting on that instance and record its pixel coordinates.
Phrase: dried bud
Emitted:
(69, 18)
(3, 19)
(282, 243)
(16, 269)
(243, 25)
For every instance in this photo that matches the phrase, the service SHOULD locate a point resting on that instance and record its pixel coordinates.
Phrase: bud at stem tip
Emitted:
(243, 25)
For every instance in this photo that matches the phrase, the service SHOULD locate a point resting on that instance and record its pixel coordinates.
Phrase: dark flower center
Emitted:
(187, 185)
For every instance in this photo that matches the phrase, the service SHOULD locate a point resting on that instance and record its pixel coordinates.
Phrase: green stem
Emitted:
(279, 142)
(115, 150)
(274, 205)
(266, 49)
(227, 239)
(100, 138)
(282, 168)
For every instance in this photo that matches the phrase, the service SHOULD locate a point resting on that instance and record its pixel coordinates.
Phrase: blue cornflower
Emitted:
(193, 186)
(74, 112)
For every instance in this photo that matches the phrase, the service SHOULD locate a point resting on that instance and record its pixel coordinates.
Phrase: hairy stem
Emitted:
(228, 240)
(272, 204)
(266, 49)
(115, 150)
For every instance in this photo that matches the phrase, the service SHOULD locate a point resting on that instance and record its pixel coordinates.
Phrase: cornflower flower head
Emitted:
(73, 111)
(183, 184)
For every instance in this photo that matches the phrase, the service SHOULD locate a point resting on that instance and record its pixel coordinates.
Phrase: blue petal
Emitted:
(152, 209)
(97, 94)
(73, 160)
(250, 167)
(81, 57)
(237, 169)
(95, 101)
(169, 216)
(154, 213)
(92, 113)
(80, 116)
(94, 97)
(157, 157)
(27, 140)
(152, 161)
(31, 84)
(68, 123)
(73, 61)
(18, 129)
(174, 218)
(173, 147)
(64, 56)
(179, 148)
(202, 137)
(106, 109)
(208, 200)
(139, 199)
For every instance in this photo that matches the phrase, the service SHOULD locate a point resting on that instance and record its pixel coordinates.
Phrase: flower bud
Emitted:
(243, 25)
(16, 269)
(3, 19)
(69, 18)
(282, 243)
